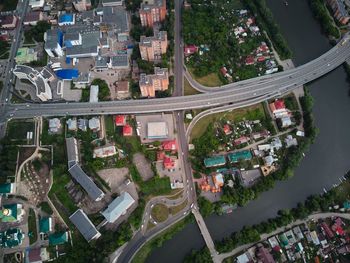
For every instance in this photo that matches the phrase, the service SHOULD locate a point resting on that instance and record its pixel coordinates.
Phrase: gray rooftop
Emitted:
(118, 207)
(116, 18)
(120, 61)
(84, 225)
(72, 151)
(147, 5)
(34, 77)
(86, 182)
(51, 38)
(147, 41)
(101, 62)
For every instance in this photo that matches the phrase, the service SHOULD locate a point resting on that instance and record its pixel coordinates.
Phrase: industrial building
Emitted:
(157, 130)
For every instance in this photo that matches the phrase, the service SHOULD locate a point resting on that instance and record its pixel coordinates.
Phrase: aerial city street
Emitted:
(174, 131)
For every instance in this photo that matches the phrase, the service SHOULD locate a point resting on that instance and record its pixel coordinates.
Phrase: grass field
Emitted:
(160, 213)
(176, 209)
(32, 226)
(109, 124)
(210, 80)
(249, 113)
(188, 89)
(17, 130)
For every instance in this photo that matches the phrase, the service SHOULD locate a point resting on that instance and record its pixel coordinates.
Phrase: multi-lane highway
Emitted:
(241, 91)
(5, 95)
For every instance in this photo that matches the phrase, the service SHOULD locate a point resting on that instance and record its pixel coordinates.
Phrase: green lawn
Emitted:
(32, 226)
(17, 130)
(160, 213)
(45, 207)
(249, 113)
(109, 123)
(210, 80)
(176, 209)
(188, 89)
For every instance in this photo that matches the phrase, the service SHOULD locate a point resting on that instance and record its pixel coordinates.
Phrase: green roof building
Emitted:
(7, 188)
(239, 156)
(215, 161)
(45, 225)
(11, 213)
(58, 238)
(11, 238)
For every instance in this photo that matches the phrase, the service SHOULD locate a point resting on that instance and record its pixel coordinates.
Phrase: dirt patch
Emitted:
(25, 153)
(143, 166)
(114, 177)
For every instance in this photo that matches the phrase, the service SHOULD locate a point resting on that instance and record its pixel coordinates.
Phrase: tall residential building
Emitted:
(152, 48)
(159, 81)
(82, 5)
(152, 11)
(53, 42)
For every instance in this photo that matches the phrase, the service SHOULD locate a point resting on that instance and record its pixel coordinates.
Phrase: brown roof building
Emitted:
(8, 22)
(152, 48)
(159, 81)
(152, 11)
(122, 88)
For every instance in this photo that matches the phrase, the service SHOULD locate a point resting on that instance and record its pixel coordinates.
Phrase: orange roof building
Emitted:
(127, 130)
(170, 145)
(120, 120)
(169, 163)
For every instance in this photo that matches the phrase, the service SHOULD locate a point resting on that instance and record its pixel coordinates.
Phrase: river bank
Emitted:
(324, 163)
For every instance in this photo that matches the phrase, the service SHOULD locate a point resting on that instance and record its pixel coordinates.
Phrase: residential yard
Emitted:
(248, 113)
(33, 236)
(109, 124)
(160, 213)
(17, 130)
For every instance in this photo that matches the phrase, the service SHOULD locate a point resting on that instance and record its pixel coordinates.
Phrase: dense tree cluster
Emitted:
(37, 32)
(321, 13)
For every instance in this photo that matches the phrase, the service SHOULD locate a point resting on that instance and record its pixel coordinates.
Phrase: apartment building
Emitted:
(152, 48)
(159, 81)
(152, 11)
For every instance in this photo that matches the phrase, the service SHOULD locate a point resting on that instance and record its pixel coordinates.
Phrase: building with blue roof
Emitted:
(8, 188)
(215, 161)
(67, 74)
(66, 19)
(240, 156)
(118, 207)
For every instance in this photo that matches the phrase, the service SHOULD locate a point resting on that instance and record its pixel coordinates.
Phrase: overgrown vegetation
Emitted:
(32, 231)
(37, 32)
(321, 13)
(8, 5)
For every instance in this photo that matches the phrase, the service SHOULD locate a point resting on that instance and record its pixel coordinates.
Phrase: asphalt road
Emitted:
(5, 96)
(241, 91)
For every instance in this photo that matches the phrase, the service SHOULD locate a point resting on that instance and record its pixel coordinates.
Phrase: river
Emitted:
(327, 159)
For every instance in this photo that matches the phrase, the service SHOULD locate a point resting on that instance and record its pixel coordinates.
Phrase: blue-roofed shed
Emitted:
(67, 74)
(214, 161)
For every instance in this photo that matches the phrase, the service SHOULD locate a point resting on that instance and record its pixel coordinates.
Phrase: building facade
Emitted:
(159, 81)
(152, 48)
(152, 11)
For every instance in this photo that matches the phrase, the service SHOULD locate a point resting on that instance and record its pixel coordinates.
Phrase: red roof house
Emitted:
(223, 71)
(249, 60)
(160, 156)
(261, 59)
(120, 120)
(264, 47)
(169, 145)
(227, 129)
(241, 140)
(169, 163)
(127, 130)
(190, 49)
(277, 105)
(328, 231)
